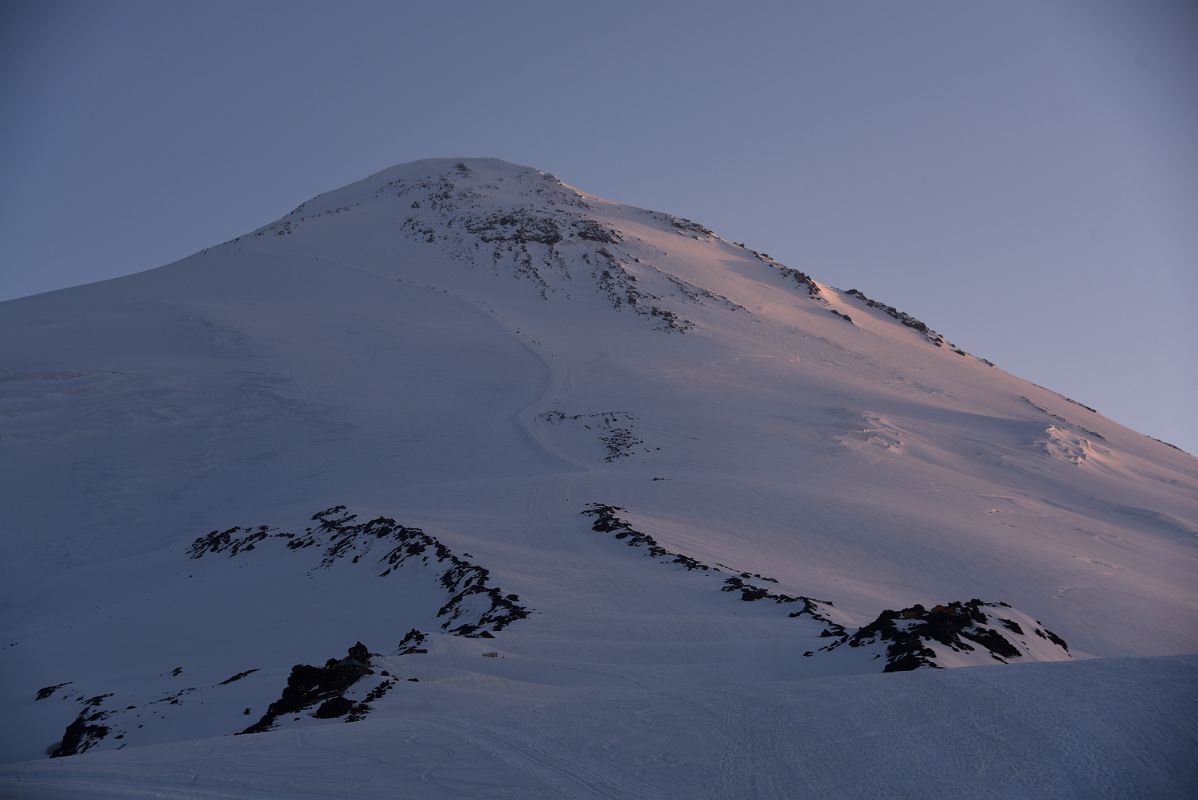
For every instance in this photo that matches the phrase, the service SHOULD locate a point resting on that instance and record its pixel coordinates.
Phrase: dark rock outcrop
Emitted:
(85, 732)
(237, 677)
(908, 633)
(47, 691)
(607, 520)
(308, 686)
(81, 735)
(334, 707)
(412, 643)
(342, 537)
(902, 317)
(959, 626)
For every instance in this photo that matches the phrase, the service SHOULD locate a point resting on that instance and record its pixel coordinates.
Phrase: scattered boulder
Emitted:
(334, 707)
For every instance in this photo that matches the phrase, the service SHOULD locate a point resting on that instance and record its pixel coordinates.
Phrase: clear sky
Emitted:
(1022, 175)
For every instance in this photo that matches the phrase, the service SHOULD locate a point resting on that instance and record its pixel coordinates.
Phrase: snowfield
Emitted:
(1036, 730)
(616, 508)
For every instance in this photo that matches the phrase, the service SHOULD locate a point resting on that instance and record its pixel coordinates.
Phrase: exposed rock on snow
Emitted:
(909, 634)
(47, 691)
(308, 685)
(472, 607)
(902, 316)
(412, 643)
(912, 633)
(607, 521)
(237, 677)
(614, 430)
(85, 732)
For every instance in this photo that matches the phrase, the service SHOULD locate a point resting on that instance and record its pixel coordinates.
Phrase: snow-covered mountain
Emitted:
(460, 441)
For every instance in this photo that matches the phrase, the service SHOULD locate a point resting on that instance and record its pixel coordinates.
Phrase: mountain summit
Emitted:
(460, 437)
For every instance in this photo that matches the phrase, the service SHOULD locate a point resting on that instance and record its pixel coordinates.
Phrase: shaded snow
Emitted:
(1040, 730)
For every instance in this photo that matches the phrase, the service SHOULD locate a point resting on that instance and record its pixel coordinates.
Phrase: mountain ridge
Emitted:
(484, 353)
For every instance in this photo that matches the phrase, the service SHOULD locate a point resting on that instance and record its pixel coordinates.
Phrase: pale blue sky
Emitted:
(1021, 175)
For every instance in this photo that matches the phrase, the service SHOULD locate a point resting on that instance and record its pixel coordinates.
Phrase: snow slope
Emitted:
(1037, 730)
(478, 351)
